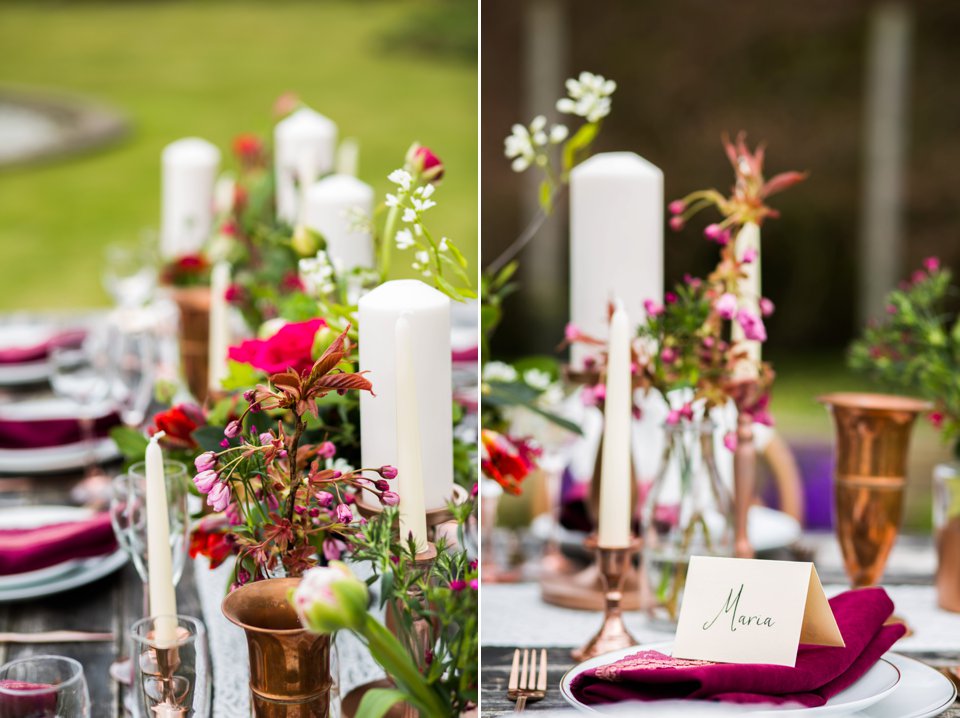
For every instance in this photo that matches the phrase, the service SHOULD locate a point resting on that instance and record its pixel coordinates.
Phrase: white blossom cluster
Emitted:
(588, 97)
(527, 146)
(318, 274)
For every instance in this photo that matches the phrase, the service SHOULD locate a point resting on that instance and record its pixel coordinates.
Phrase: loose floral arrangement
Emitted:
(915, 345)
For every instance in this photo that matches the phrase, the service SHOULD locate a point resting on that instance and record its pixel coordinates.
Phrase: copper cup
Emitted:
(870, 470)
(289, 666)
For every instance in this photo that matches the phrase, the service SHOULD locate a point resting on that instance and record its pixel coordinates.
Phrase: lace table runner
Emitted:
(228, 649)
(514, 615)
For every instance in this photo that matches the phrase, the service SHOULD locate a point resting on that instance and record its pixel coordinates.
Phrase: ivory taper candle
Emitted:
(219, 341)
(305, 145)
(615, 476)
(163, 598)
(748, 240)
(413, 516)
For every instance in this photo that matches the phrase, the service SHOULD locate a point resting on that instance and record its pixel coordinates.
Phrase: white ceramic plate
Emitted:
(875, 685)
(46, 408)
(28, 373)
(55, 458)
(923, 692)
(85, 571)
(17, 334)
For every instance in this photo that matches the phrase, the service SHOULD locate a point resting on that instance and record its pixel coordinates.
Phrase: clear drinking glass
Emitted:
(134, 360)
(172, 673)
(43, 687)
(130, 273)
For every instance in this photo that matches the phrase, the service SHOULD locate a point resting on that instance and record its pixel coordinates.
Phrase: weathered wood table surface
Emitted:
(111, 604)
(903, 569)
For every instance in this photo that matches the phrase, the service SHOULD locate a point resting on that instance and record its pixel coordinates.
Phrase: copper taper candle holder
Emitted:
(435, 517)
(614, 564)
(421, 639)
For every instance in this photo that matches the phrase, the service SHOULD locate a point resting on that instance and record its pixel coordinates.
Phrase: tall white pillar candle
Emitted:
(413, 517)
(616, 478)
(163, 599)
(748, 240)
(219, 340)
(305, 145)
(189, 169)
(427, 312)
(616, 241)
(340, 208)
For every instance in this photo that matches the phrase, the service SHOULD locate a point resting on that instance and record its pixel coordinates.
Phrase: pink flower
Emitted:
(668, 355)
(730, 440)
(219, 497)
(676, 207)
(766, 307)
(676, 223)
(428, 164)
(344, 514)
(233, 430)
(333, 549)
(686, 411)
(652, 308)
(474, 584)
(752, 326)
(325, 499)
(670, 298)
(205, 480)
(936, 419)
(206, 461)
(327, 450)
(290, 347)
(890, 309)
(571, 332)
(673, 417)
(931, 264)
(726, 305)
(388, 472)
(600, 391)
(457, 585)
(749, 255)
(713, 232)
(666, 515)
(917, 277)
(390, 498)
(691, 281)
(708, 342)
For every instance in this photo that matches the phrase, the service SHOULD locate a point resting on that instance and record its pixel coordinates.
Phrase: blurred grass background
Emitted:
(389, 72)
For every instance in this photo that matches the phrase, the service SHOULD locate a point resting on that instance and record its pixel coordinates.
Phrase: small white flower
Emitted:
(498, 371)
(427, 191)
(537, 378)
(518, 147)
(422, 257)
(409, 215)
(558, 133)
(418, 229)
(404, 239)
(422, 205)
(444, 244)
(392, 200)
(401, 178)
(588, 97)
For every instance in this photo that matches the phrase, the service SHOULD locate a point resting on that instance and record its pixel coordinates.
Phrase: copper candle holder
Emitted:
(435, 517)
(744, 393)
(614, 565)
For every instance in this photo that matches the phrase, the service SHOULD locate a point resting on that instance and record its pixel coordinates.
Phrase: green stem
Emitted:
(389, 230)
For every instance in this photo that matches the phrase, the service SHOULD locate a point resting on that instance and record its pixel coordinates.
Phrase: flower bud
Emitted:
(388, 472)
(233, 429)
(344, 514)
(219, 496)
(381, 485)
(330, 598)
(390, 498)
(205, 480)
(327, 450)
(325, 499)
(205, 461)
(676, 207)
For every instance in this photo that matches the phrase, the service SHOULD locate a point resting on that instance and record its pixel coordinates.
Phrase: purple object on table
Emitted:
(44, 433)
(32, 549)
(38, 352)
(821, 672)
(29, 705)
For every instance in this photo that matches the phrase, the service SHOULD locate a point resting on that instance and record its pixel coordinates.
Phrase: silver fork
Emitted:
(526, 685)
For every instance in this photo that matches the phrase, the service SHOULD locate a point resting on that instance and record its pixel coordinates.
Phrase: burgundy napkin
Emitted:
(44, 433)
(467, 354)
(32, 549)
(821, 671)
(37, 352)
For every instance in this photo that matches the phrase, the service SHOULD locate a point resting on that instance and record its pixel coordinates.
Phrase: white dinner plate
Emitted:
(18, 334)
(26, 373)
(875, 685)
(923, 692)
(55, 458)
(83, 572)
(47, 408)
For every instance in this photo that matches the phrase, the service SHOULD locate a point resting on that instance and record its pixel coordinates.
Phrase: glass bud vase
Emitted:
(688, 511)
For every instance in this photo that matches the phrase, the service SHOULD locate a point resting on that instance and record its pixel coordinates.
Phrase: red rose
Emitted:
(192, 263)
(248, 148)
(425, 163)
(507, 461)
(290, 348)
(216, 546)
(178, 423)
(291, 282)
(235, 294)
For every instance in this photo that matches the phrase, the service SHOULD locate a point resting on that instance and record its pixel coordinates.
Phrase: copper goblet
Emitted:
(873, 439)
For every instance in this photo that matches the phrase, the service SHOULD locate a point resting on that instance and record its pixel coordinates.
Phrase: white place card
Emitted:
(750, 611)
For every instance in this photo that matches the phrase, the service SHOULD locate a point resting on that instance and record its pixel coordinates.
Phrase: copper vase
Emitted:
(870, 471)
(289, 666)
(194, 305)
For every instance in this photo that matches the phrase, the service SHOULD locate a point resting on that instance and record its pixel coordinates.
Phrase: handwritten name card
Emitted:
(751, 611)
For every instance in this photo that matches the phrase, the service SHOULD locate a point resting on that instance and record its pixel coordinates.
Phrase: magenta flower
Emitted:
(390, 498)
(571, 332)
(932, 264)
(327, 450)
(457, 585)
(290, 347)
(752, 326)
(381, 485)
(205, 480)
(726, 305)
(388, 472)
(333, 549)
(219, 497)
(474, 584)
(730, 440)
(652, 308)
(668, 355)
(676, 207)
(233, 429)
(670, 298)
(676, 223)
(936, 418)
(766, 307)
(344, 514)
(325, 499)
(749, 255)
(691, 281)
(266, 438)
(673, 417)
(205, 461)
(713, 232)
(666, 515)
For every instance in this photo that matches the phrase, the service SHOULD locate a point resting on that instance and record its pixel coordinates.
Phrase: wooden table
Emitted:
(495, 661)
(111, 604)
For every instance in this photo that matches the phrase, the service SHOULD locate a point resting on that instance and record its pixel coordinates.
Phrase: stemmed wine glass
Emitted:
(44, 687)
(82, 374)
(128, 517)
(130, 272)
(134, 360)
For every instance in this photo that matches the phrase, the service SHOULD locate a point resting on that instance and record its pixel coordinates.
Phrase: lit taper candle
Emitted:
(615, 476)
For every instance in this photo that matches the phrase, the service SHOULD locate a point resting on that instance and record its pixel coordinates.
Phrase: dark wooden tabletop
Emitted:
(111, 604)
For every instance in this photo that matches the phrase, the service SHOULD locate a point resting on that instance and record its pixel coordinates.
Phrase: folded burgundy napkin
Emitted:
(821, 671)
(467, 354)
(29, 705)
(23, 550)
(44, 433)
(37, 352)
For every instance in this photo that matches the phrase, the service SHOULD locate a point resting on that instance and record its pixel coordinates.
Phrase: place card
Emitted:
(751, 611)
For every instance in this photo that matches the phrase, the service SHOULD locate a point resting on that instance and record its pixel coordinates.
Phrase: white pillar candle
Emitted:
(616, 241)
(748, 240)
(428, 313)
(218, 343)
(340, 208)
(305, 145)
(163, 599)
(615, 476)
(413, 517)
(189, 175)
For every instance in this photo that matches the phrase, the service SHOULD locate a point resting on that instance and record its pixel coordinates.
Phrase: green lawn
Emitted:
(388, 72)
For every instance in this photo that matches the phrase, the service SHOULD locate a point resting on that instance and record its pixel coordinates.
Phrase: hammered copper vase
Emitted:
(289, 666)
(194, 305)
(870, 472)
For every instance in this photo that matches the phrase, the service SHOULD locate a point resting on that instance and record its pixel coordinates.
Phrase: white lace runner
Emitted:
(228, 649)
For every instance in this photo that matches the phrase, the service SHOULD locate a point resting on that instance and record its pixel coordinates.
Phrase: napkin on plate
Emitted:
(45, 433)
(23, 550)
(821, 671)
(40, 351)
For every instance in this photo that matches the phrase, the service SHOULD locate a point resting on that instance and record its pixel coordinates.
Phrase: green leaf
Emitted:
(546, 196)
(577, 144)
(377, 701)
(209, 437)
(240, 376)
(132, 443)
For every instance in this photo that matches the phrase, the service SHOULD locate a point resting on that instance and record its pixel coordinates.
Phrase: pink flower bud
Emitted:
(205, 480)
(457, 585)
(233, 429)
(388, 472)
(726, 306)
(652, 308)
(327, 450)
(766, 307)
(673, 417)
(344, 514)
(931, 264)
(571, 332)
(676, 223)
(730, 440)
(749, 255)
(266, 438)
(676, 207)
(219, 496)
(205, 461)
(325, 499)
(668, 355)
(381, 485)
(390, 498)
(670, 298)
(752, 326)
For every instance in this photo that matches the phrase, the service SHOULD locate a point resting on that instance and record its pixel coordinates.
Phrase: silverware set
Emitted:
(526, 683)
